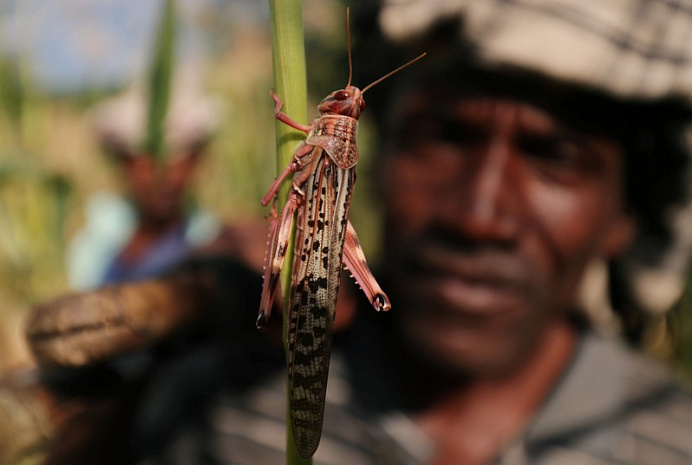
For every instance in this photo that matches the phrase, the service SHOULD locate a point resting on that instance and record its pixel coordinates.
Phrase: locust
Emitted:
(323, 169)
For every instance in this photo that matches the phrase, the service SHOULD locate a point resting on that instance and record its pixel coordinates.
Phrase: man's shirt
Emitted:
(611, 406)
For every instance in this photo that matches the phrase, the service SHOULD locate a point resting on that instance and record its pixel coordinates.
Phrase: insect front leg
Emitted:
(279, 234)
(283, 117)
(354, 259)
(296, 164)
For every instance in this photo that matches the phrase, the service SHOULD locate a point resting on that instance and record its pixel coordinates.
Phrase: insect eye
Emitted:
(341, 95)
(361, 104)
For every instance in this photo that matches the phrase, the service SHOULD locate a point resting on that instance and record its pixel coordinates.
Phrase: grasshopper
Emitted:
(323, 169)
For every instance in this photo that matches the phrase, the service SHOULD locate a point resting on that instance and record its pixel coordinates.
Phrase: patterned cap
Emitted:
(192, 118)
(631, 49)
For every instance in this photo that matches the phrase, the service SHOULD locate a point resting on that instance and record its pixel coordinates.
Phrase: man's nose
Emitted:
(484, 204)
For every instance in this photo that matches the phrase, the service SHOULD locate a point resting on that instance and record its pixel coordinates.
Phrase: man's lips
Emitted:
(469, 282)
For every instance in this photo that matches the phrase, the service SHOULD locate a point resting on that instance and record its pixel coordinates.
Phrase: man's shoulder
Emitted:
(615, 406)
(657, 417)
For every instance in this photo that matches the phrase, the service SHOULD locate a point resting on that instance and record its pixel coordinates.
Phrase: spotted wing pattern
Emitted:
(318, 260)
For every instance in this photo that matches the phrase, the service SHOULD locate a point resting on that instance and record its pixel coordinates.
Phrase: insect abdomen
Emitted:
(319, 248)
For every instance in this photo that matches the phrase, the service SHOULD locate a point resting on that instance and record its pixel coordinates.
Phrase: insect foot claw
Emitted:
(262, 323)
(277, 101)
(381, 303)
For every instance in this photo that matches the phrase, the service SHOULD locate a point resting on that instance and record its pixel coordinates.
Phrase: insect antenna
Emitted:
(348, 46)
(392, 72)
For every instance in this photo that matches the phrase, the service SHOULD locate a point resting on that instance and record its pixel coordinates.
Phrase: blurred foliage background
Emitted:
(50, 163)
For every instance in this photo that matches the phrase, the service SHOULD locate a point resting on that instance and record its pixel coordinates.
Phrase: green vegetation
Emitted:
(160, 80)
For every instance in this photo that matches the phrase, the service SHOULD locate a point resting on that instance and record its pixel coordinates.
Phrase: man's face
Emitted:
(493, 211)
(158, 189)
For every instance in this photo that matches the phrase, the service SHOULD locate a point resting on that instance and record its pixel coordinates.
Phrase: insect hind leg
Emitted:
(354, 259)
(279, 234)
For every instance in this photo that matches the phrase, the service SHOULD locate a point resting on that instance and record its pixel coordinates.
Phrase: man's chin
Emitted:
(459, 350)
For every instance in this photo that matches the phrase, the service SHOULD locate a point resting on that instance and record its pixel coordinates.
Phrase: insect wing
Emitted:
(317, 265)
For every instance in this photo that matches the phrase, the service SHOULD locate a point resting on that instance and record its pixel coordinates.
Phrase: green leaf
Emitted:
(160, 81)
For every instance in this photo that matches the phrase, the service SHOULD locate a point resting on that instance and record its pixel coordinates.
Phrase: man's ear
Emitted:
(619, 235)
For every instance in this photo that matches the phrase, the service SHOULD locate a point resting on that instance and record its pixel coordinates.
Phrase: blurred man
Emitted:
(535, 140)
(532, 142)
(156, 225)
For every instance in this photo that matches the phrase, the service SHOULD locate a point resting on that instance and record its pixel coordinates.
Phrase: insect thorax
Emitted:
(336, 134)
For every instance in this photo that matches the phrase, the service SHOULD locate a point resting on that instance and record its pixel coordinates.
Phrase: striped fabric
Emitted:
(613, 407)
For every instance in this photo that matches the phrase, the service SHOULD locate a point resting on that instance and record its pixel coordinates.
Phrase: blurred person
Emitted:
(534, 140)
(156, 225)
(156, 132)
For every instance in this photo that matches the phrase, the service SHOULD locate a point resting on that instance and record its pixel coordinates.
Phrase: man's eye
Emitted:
(561, 160)
(558, 151)
(462, 134)
(443, 131)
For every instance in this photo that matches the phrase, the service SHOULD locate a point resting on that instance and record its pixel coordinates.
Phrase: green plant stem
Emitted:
(288, 54)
